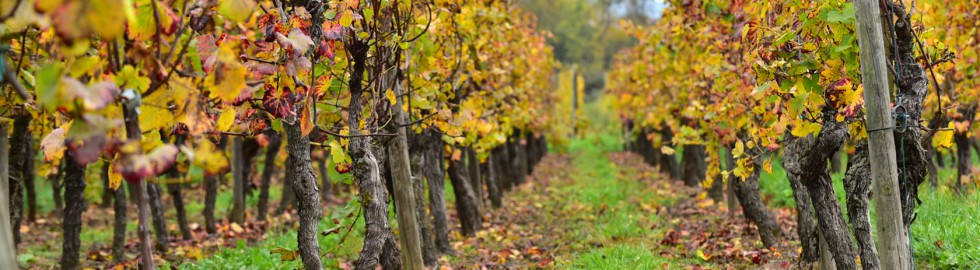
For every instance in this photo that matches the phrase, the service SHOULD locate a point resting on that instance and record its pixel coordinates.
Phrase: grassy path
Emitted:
(594, 207)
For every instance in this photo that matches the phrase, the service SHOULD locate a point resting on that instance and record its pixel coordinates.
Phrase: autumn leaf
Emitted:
(53, 144)
(337, 152)
(391, 96)
(77, 19)
(803, 128)
(305, 121)
(208, 157)
(278, 102)
(228, 79)
(226, 119)
(134, 166)
(944, 138)
(115, 179)
(144, 27)
(667, 150)
(194, 114)
(236, 10)
(286, 255)
(703, 256)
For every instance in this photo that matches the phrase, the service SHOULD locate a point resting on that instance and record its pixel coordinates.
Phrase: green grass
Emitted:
(619, 237)
(258, 256)
(943, 216)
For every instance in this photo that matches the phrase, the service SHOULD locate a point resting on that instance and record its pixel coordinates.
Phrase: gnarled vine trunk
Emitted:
(156, 211)
(71, 224)
(473, 168)
(467, 208)
(694, 164)
(754, 209)
(367, 171)
(303, 183)
(176, 194)
(668, 163)
(18, 157)
(435, 175)
(119, 206)
(812, 155)
(417, 151)
(806, 224)
(492, 178)
(857, 186)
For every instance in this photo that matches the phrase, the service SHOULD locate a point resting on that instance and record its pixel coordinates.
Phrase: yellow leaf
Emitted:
(944, 138)
(228, 78)
(803, 128)
(391, 96)
(151, 141)
(236, 10)
(286, 255)
(115, 179)
(227, 119)
(144, 27)
(667, 150)
(767, 165)
(208, 157)
(703, 256)
(193, 253)
(347, 18)
(739, 149)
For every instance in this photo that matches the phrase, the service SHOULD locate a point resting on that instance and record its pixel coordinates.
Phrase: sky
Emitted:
(653, 8)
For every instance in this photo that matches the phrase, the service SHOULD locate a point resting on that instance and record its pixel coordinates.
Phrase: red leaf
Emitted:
(278, 102)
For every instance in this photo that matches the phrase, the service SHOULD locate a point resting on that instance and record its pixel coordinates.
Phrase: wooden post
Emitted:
(401, 174)
(238, 184)
(131, 104)
(893, 243)
(8, 252)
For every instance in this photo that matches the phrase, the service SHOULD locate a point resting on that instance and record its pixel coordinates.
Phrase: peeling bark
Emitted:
(755, 210)
(857, 185)
(493, 188)
(119, 206)
(806, 224)
(304, 186)
(430, 256)
(367, 171)
(176, 193)
(18, 155)
(473, 168)
(29, 180)
(210, 197)
(812, 155)
(436, 178)
(694, 164)
(913, 87)
(71, 225)
(467, 208)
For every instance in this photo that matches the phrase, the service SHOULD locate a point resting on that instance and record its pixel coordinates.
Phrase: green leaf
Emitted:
(47, 86)
(337, 152)
(845, 15)
(236, 10)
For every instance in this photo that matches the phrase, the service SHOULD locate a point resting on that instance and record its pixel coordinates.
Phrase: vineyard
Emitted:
(489, 134)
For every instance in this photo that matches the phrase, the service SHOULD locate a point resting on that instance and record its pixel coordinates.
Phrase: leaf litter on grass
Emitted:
(697, 227)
